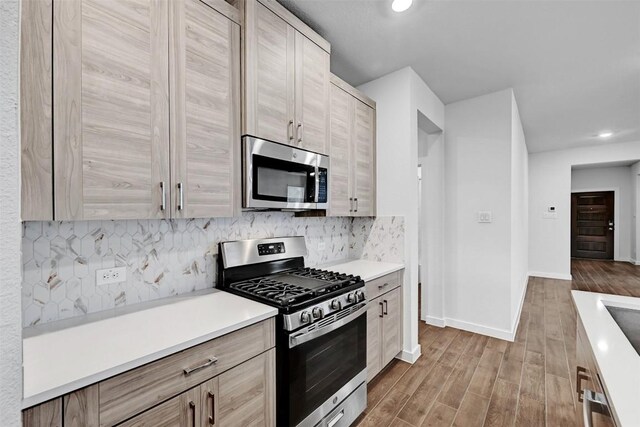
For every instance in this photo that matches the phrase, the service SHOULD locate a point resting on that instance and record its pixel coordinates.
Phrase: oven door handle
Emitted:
(301, 338)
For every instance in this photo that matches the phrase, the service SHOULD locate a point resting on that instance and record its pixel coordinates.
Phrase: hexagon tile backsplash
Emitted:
(165, 258)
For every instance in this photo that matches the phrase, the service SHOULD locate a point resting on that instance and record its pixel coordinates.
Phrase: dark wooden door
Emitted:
(592, 225)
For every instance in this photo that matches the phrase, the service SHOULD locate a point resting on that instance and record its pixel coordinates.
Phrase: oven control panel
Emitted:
(271, 248)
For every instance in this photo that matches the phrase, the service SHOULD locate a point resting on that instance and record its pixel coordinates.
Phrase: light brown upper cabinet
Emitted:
(352, 152)
(146, 109)
(286, 78)
(205, 105)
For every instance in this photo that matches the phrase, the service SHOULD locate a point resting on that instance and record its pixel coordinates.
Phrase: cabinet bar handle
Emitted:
(192, 408)
(180, 196)
(212, 417)
(381, 310)
(581, 374)
(380, 287)
(356, 200)
(290, 130)
(163, 196)
(386, 306)
(209, 362)
(299, 132)
(350, 204)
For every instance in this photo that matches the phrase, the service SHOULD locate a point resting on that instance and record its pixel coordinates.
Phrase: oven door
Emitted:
(325, 366)
(278, 176)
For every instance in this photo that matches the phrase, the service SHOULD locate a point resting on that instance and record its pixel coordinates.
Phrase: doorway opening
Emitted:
(593, 225)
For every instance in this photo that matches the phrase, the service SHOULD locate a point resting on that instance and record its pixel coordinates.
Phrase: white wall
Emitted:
(10, 324)
(431, 157)
(550, 185)
(617, 179)
(635, 211)
(477, 178)
(519, 214)
(399, 96)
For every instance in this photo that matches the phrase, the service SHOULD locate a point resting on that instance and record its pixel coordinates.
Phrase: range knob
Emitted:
(318, 313)
(351, 297)
(335, 304)
(305, 317)
(360, 295)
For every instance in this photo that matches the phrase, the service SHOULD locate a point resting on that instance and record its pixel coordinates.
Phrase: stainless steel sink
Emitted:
(629, 321)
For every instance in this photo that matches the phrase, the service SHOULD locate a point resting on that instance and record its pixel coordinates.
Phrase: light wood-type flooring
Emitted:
(465, 379)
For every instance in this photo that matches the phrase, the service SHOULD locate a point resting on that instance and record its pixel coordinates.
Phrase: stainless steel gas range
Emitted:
(321, 329)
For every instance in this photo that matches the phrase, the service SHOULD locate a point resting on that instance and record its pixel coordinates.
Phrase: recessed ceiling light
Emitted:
(605, 134)
(401, 5)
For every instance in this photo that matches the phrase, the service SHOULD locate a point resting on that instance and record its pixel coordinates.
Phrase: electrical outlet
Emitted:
(322, 246)
(106, 276)
(485, 217)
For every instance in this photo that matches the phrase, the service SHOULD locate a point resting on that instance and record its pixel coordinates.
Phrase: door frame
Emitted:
(616, 214)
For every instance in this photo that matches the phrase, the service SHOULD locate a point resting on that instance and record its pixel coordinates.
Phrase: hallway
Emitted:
(465, 379)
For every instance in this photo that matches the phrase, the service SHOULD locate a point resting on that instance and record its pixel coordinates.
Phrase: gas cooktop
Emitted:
(296, 286)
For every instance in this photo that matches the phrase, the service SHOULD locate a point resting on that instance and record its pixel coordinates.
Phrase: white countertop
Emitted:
(617, 360)
(367, 270)
(56, 362)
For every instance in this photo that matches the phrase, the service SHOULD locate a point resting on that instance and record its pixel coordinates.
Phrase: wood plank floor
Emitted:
(466, 379)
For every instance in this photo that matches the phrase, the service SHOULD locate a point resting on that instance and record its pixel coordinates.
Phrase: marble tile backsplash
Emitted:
(165, 258)
(378, 239)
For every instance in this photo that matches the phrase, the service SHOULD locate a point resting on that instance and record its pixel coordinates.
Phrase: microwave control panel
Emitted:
(322, 185)
(271, 248)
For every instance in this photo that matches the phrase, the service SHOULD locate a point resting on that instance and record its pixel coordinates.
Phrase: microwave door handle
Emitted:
(317, 192)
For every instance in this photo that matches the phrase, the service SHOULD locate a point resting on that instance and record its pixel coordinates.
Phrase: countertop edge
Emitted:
(29, 401)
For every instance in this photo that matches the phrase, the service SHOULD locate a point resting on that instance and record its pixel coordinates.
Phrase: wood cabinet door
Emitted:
(247, 393)
(205, 111)
(340, 179)
(180, 411)
(47, 414)
(111, 108)
(312, 95)
(391, 325)
(364, 129)
(81, 408)
(268, 75)
(374, 337)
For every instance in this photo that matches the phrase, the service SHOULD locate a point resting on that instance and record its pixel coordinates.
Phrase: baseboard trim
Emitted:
(410, 356)
(435, 321)
(557, 276)
(516, 321)
(481, 329)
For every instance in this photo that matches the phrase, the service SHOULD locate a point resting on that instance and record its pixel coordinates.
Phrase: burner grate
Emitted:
(273, 290)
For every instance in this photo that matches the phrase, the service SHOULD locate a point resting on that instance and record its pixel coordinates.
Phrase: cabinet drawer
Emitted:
(134, 391)
(377, 287)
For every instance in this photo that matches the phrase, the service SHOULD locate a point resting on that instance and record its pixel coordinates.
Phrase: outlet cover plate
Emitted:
(107, 276)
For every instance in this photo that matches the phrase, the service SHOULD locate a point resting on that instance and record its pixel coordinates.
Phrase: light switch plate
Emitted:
(485, 217)
(107, 276)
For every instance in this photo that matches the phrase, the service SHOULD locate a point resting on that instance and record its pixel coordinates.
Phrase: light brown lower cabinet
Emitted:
(588, 380)
(384, 324)
(228, 381)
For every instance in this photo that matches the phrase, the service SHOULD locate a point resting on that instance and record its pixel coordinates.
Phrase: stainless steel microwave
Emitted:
(278, 176)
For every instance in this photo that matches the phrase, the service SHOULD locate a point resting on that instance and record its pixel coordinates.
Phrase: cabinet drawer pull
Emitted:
(212, 417)
(380, 287)
(209, 362)
(381, 310)
(163, 196)
(290, 130)
(386, 306)
(180, 196)
(356, 200)
(581, 374)
(192, 408)
(299, 132)
(350, 204)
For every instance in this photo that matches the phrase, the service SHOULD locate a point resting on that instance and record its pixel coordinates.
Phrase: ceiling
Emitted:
(574, 65)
